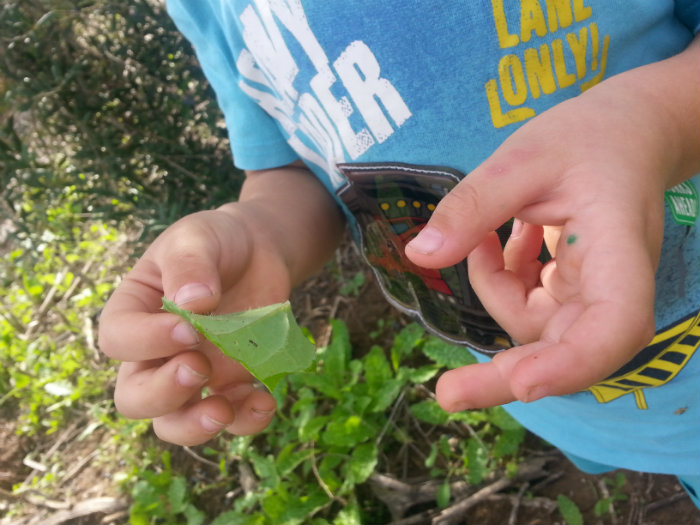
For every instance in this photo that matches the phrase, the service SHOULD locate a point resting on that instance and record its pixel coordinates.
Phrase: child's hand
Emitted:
(204, 263)
(595, 168)
(243, 255)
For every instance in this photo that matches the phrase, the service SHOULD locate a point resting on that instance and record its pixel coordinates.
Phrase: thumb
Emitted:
(190, 260)
(482, 202)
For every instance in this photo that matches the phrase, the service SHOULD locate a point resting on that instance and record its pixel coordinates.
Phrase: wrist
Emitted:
(295, 215)
(657, 106)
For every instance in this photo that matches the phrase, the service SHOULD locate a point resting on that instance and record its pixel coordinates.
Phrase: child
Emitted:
(578, 118)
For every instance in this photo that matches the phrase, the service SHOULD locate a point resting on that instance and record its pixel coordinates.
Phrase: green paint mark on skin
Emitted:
(571, 239)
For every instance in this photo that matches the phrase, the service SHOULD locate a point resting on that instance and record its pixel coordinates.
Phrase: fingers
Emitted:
(483, 201)
(471, 387)
(578, 348)
(522, 252)
(189, 262)
(199, 422)
(597, 341)
(184, 264)
(129, 331)
(195, 423)
(147, 389)
(170, 394)
(507, 283)
(253, 414)
(590, 314)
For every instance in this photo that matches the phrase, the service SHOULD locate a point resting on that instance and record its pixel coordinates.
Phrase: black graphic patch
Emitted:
(391, 203)
(656, 365)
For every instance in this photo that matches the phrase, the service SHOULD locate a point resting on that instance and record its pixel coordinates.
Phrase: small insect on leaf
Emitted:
(267, 341)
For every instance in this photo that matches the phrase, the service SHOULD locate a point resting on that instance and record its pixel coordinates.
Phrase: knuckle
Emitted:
(463, 200)
(106, 343)
(164, 433)
(124, 407)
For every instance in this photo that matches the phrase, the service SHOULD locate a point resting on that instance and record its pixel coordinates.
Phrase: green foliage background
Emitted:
(104, 100)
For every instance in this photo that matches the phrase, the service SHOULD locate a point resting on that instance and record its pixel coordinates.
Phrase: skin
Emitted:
(243, 255)
(588, 175)
(595, 167)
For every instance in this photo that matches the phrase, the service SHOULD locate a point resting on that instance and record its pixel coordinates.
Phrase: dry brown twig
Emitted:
(400, 496)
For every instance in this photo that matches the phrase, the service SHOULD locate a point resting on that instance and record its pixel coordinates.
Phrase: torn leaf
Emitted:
(267, 341)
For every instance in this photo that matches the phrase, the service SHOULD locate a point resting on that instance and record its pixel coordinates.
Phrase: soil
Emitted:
(88, 494)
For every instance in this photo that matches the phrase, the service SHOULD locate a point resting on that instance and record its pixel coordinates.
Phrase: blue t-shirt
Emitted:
(375, 95)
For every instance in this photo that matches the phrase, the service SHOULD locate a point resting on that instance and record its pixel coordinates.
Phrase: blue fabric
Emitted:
(688, 12)
(444, 83)
(691, 484)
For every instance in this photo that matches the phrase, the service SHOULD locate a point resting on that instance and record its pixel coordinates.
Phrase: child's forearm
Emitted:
(290, 213)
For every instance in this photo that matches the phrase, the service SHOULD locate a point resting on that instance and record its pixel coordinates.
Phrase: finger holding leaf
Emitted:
(267, 341)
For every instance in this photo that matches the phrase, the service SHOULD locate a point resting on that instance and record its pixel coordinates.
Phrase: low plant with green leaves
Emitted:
(337, 425)
(52, 287)
(569, 510)
(162, 496)
(615, 492)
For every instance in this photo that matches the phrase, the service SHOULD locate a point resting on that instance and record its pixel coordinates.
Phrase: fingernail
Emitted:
(517, 229)
(211, 425)
(184, 333)
(535, 393)
(262, 414)
(188, 377)
(428, 241)
(192, 292)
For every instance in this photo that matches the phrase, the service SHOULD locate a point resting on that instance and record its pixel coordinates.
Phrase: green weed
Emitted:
(337, 425)
(569, 510)
(51, 290)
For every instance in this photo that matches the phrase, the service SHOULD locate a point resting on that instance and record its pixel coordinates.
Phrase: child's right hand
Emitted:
(243, 255)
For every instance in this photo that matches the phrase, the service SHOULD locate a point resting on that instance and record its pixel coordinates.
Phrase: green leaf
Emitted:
(177, 494)
(337, 355)
(602, 506)
(444, 495)
(347, 432)
(477, 459)
(508, 442)
(324, 384)
(349, 515)
(430, 412)
(404, 343)
(377, 368)
(569, 510)
(288, 458)
(419, 375)
(266, 469)
(267, 341)
(385, 395)
(310, 431)
(194, 515)
(502, 419)
(234, 516)
(362, 462)
(446, 354)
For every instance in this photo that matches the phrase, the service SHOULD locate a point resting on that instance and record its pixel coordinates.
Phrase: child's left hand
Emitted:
(595, 167)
